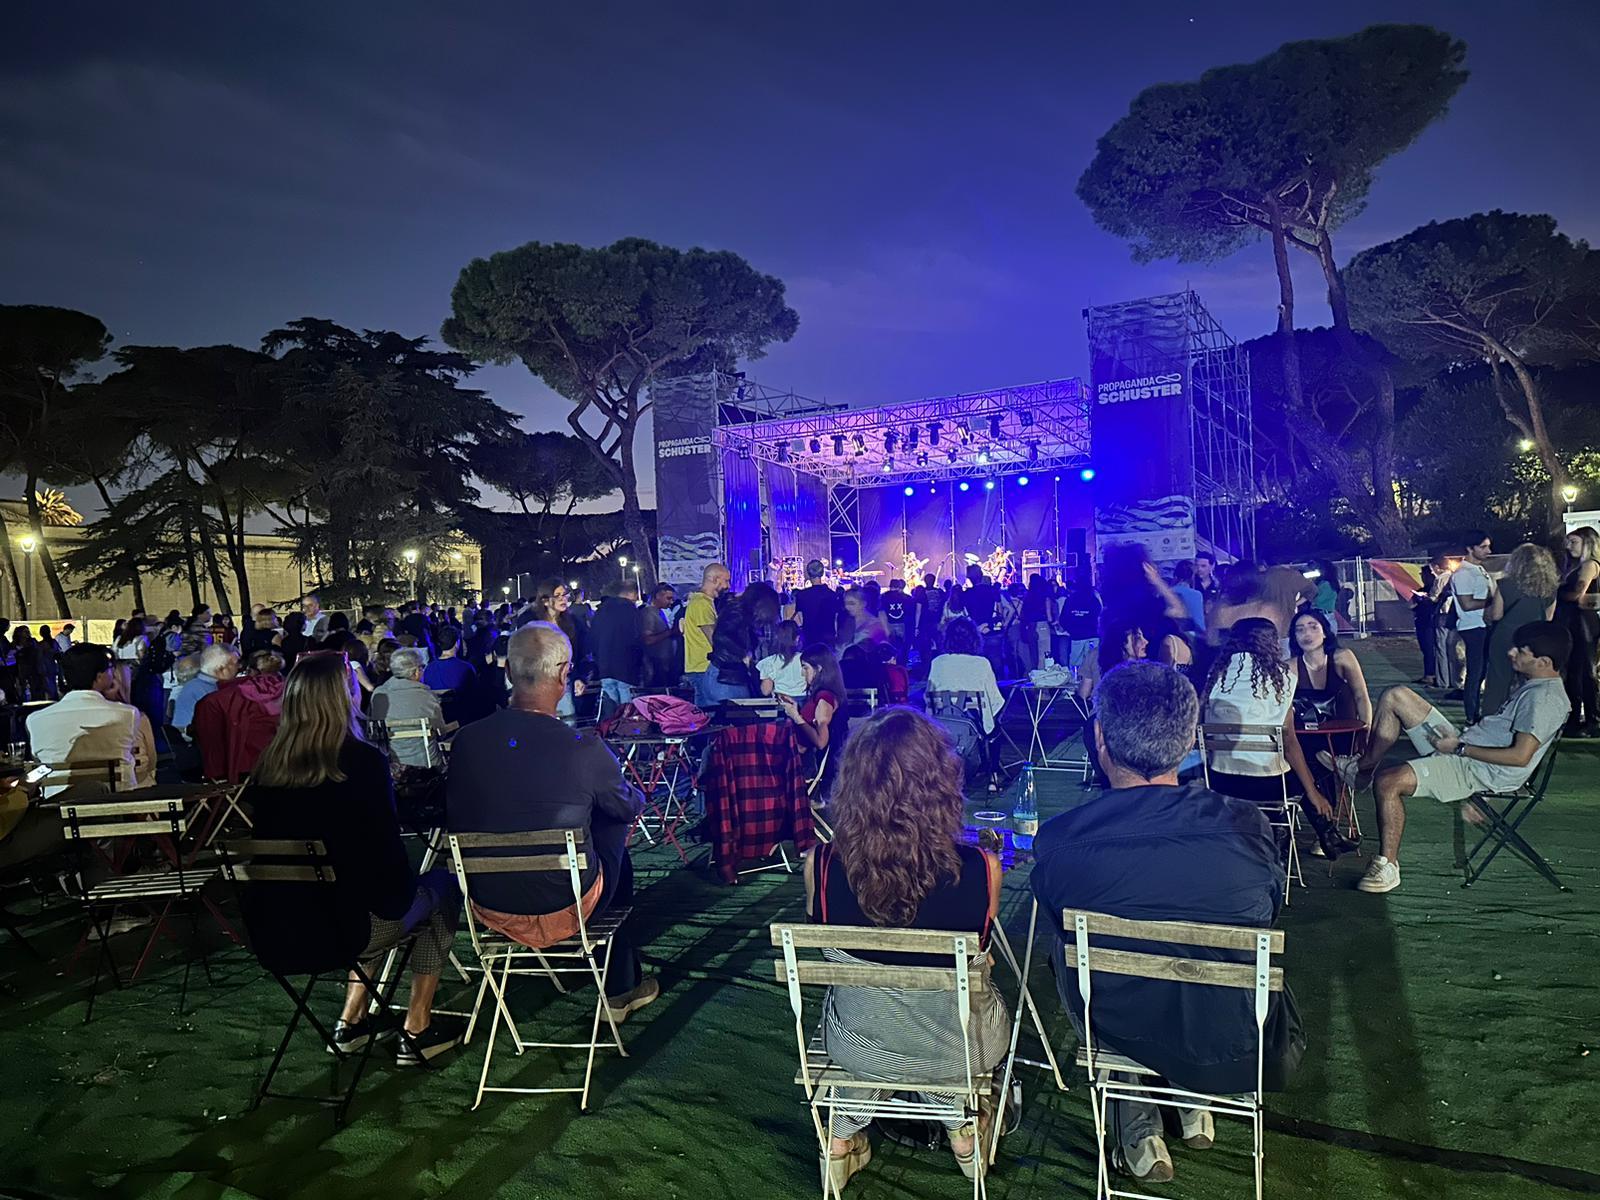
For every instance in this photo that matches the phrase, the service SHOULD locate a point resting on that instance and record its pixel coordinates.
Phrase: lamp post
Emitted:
(29, 544)
(1570, 495)
(623, 562)
(505, 590)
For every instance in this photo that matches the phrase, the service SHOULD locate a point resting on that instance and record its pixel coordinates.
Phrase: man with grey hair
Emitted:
(1151, 849)
(524, 769)
(219, 663)
(404, 697)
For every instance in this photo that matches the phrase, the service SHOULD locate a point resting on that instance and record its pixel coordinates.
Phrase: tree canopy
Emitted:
(598, 325)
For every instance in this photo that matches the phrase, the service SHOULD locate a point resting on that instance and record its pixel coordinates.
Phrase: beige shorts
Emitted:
(1446, 778)
(1434, 721)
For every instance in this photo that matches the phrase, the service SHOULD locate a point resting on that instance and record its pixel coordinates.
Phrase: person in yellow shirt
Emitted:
(699, 623)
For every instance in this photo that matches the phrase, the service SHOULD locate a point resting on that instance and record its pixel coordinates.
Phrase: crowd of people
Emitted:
(298, 706)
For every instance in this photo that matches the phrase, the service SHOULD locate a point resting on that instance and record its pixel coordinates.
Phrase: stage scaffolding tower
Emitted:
(1221, 435)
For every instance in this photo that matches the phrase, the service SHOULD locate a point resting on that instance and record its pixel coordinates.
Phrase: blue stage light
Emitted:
(932, 491)
(964, 485)
(988, 485)
(1086, 474)
(1022, 481)
(911, 491)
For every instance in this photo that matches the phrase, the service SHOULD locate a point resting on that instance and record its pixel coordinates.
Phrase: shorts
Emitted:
(1434, 721)
(1446, 778)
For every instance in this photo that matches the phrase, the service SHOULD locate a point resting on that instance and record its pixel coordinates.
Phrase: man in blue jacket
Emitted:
(1151, 849)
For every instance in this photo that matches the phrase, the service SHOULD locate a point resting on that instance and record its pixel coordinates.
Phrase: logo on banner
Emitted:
(683, 447)
(1145, 387)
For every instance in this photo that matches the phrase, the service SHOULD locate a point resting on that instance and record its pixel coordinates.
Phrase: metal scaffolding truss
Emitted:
(1221, 435)
(1037, 426)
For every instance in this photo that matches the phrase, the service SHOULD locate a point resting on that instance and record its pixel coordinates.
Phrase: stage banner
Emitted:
(1139, 425)
(688, 478)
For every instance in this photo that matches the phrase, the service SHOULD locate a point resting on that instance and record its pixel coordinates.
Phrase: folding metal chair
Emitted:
(1025, 1003)
(961, 713)
(416, 729)
(215, 809)
(1504, 813)
(500, 957)
(298, 927)
(819, 820)
(1284, 815)
(1258, 978)
(861, 702)
(157, 891)
(967, 975)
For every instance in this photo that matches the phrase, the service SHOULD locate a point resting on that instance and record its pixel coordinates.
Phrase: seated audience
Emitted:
(781, 673)
(235, 724)
(1495, 754)
(319, 779)
(523, 769)
(1329, 683)
(219, 664)
(448, 671)
(894, 679)
(963, 668)
(820, 719)
(1251, 685)
(406, 698)
(898, 861)
(1151, 849)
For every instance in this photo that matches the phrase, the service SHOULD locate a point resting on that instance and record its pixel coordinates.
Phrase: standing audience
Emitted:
(1578, 611)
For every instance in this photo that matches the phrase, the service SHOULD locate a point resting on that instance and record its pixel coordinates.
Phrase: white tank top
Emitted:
(1234, 702)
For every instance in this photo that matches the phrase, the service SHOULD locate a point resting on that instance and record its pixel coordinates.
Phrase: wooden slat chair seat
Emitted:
(823, 1079)
(1256, 978)
(295, 878)
(87, 822)
(85, 776)
(1221, 737)
(1504, 813)
(500, 957)
(414, 729)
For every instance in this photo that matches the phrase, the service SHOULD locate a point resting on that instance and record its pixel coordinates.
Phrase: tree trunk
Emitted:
(8, 570)
(1383, 492)
(36, 524)
(188, 563)
(1287, 347)
(632, 515)
(1541, 434)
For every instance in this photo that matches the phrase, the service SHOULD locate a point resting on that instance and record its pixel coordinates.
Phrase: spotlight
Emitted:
(932, 490)
(964, 485)
(1087, 474)
(889, 441)
(838, 445)
(783, 452)
(988, 485)
(966, 433)
(1033, 451)
(933, 434)
(1022, 481)
(952, 457)
(838, 562)
(860, 444)
(816, 445)
(994, 426)
(922, 458)
(983, 458)
(889, 462)
(1025, 418)
(911, 437)
(910, 491)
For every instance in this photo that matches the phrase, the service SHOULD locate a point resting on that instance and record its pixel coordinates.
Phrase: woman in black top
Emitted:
(898, 861)
(319, 779)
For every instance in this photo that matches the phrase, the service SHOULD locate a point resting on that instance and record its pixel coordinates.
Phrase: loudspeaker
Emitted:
(1077, 541)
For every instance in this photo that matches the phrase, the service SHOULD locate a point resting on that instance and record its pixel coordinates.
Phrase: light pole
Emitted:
(1570, 495)
(29, 544)
(624, 563)
(505, 590)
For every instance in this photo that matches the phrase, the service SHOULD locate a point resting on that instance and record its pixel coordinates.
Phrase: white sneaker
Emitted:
(1199, 1132)
(1346, 766)
(1382, 876)
(1148, 1160)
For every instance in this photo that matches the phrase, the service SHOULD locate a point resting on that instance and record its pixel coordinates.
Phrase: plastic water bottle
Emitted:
(1025, 816)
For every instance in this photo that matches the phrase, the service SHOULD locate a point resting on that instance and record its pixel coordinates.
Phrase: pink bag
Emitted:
(674, 716)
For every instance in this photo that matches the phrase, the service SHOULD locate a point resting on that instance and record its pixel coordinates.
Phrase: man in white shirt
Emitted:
(64, 638)
(85, 725)
(316, 619)
(1496, 754)
(1473, 590)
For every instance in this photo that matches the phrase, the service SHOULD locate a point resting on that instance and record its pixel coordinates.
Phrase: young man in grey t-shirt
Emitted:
(1496, 754)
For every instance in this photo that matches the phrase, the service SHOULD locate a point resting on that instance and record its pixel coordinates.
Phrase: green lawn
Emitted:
(1449, 1055)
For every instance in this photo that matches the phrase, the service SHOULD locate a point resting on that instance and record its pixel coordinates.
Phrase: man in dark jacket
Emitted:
(523, 769)
(618, 640)
(1150, 849)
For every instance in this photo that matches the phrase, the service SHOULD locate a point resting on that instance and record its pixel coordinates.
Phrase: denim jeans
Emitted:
(697, 681)
(1477, 643)
(716, 689)
(614, 693)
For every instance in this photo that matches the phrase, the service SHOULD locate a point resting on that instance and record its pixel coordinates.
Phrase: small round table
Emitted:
(1344, 804)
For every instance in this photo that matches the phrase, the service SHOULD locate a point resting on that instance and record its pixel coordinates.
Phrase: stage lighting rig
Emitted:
(911, 437)
(783, 452)
(816, 445)
(860, 444)
(994, 426)
(838, 445)
(933, 434)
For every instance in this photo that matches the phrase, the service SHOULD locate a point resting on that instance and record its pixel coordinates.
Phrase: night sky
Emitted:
(907, 169)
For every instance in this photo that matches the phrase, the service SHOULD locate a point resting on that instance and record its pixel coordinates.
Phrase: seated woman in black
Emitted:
(897, 860)
(319, 779)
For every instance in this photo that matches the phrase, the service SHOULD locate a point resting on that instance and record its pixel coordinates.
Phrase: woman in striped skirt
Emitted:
(897, 861)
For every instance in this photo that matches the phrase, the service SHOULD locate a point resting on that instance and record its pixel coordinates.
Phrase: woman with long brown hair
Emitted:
(318, 779)
(552, 602)
(1252, 684)
(898, 861)
(1527, 592)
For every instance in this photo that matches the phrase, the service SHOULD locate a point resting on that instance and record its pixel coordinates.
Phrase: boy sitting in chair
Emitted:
(1497, 754)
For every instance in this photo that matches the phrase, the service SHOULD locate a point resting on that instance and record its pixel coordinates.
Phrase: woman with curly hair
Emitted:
(1527, 592)
(1251, 684)
(897, 861)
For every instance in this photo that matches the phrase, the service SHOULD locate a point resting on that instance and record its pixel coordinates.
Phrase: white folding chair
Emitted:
(966, 975)
(1283, 815)
(500, 957)
(1002, 946)
(1259, 978)
(416, 729)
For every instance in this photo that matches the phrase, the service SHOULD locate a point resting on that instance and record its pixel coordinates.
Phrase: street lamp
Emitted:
(409, 555)
(623, 563)
(1525, 445)
(29, 544)
(1570, 494)
(505, 590)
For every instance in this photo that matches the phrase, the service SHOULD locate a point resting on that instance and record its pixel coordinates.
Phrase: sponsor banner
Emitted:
(1163, 526)
(688, 475)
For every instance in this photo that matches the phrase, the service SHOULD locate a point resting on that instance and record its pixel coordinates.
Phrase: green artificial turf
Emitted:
(1449, 1032)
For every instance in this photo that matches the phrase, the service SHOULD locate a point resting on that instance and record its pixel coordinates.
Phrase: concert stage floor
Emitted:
(1448, 1031)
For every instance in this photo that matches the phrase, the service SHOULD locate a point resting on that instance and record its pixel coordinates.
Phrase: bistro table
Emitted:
(662, 767)
(1039, 700)
(1344, 804)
